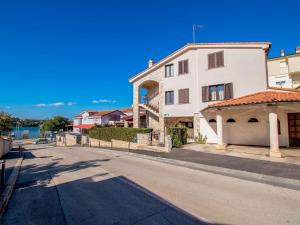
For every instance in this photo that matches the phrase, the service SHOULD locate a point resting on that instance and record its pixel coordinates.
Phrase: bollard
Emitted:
(2, 175)
(20, 151)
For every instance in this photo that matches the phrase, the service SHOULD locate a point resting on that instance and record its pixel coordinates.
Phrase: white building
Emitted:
(87, 119)
(284, 71)
(177, 88)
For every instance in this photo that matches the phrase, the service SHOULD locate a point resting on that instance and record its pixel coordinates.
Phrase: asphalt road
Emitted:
(74, 186)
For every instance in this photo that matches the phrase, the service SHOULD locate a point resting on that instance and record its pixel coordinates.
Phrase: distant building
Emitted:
(89, 118)
(284, 71)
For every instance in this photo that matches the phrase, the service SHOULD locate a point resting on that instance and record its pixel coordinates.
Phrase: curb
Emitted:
(7, 193)
(240, 174)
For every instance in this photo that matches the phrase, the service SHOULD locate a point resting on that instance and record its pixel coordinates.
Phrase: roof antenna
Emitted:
(195, 27)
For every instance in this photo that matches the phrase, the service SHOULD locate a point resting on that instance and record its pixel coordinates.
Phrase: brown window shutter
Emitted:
(186, 66)
(228, 91)
(180, 96)
(205, 94)
(211, 61)
(187, 96)
(220, 59)
(180, 69)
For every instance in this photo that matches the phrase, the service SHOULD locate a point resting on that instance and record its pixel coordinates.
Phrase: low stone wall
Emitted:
(144, 139)
(5, 146)
(60, 140)
(84, 140)
(113, 144)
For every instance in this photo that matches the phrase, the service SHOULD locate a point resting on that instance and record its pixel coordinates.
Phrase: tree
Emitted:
(6, 122)
(57, 123)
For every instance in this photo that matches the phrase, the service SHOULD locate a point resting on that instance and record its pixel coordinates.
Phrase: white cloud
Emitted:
(40, 105)
(103, 101)
(71, 103)
(57, 104)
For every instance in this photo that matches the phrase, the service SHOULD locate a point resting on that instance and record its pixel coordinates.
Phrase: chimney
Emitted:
(150, 63)
(282, 52)
(298, 49)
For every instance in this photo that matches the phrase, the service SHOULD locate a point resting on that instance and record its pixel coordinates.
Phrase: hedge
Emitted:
(117, 133)
(178, 136)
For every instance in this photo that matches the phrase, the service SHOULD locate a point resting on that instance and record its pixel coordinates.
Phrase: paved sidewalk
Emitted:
(11, 158)
(277, 169)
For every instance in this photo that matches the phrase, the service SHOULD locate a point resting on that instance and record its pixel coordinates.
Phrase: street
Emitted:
(84, 186)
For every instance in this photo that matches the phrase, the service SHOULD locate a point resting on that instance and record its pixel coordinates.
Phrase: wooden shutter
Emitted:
(186, 66)
(228, 91)
(220, 59)
(180, 67)
(211, 61)
(205, 94)
(183, 96)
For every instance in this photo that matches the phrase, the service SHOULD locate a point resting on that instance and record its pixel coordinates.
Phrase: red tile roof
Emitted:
(261, 97)
(84, 126)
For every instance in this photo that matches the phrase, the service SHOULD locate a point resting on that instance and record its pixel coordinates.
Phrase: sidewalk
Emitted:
(11, 158)
(276, 169)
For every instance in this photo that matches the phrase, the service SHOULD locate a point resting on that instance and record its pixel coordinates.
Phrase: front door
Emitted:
(294, 129)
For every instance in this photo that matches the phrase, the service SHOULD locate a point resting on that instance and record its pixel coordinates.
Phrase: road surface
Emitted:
(81, 186)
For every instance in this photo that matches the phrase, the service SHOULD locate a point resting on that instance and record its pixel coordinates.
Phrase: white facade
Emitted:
(96, 118)
(244, 67)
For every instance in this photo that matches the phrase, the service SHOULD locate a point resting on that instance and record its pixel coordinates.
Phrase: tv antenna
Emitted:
(195, 27)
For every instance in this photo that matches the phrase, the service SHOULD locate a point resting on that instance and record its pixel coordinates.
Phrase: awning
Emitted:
(84, 126)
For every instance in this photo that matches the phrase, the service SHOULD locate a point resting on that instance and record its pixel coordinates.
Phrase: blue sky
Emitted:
(59, 57)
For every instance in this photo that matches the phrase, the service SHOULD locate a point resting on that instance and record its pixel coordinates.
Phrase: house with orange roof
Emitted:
(174, 90)
(220, 91)
(89, 118)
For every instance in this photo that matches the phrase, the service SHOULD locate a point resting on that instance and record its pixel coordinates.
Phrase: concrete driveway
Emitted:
(75, 186)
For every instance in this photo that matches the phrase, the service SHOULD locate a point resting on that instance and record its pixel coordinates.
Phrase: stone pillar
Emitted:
(126, 124)
(136, 108)
(274, 143)
(196, 121)
(161, 115)
(220, 145)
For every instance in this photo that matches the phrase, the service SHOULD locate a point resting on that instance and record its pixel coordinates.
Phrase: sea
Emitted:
(33, 132)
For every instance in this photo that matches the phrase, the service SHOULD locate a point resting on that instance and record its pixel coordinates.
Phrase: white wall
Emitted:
(86, 119)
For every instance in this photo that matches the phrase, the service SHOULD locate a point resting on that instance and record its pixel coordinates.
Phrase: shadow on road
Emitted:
(93, 199)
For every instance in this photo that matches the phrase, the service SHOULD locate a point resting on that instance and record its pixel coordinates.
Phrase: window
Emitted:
(187, 124)
(283, 64)
(215, 60)
(217, 92)
(253, 120)
(169, 97)
(169, 70)
(280, 83)
(183, 67)
(212, 121)
(230, 120)
(183, 96)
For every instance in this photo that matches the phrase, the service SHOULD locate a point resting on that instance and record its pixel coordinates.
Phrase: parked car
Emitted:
(41, 141)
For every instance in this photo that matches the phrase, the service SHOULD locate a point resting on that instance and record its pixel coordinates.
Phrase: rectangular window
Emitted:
(217, 92)
(169, 70)
(183, 67)
(183, 96)
(215, 60)
(169, 97)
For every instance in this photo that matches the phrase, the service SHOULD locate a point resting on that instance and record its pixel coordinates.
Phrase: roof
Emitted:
(84, 126)
(285, 56)
(128, 109)
(98, 113)
(263, 45)
(269, 96)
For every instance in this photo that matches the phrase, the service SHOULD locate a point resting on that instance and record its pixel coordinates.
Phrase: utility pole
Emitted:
(195, 26)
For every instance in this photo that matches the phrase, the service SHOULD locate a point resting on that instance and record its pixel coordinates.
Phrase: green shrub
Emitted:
(200, 139)
(178, 136)
(117, 133)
